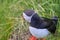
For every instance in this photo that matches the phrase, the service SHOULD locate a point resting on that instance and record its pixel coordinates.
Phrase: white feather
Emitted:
(27, 18)
(39, 33)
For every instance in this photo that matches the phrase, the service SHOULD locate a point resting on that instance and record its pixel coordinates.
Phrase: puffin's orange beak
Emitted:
(32, 38)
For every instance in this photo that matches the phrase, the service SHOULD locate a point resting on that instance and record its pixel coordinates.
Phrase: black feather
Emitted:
(29, 12)
(43, 23)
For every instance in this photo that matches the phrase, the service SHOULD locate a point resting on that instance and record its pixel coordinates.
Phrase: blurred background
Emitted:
(12, 25)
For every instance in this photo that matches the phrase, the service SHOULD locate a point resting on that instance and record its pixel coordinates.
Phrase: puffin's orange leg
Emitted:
(42, 39)
(32, 38)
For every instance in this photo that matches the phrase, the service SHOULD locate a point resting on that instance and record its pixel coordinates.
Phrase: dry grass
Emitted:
(13, 26)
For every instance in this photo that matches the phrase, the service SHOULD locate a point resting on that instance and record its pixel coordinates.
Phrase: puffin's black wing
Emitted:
(39, 23)
(51, 26)
(44, 23)
(36, 21)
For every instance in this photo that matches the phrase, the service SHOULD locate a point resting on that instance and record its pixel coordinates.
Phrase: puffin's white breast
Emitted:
(39, 33)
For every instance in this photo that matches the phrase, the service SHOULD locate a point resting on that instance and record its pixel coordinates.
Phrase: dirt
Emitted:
(20, 35)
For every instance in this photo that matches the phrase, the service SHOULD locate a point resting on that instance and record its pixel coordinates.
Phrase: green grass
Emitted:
(11, 14)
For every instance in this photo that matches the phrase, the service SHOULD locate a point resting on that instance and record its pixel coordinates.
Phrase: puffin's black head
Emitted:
(27, 14)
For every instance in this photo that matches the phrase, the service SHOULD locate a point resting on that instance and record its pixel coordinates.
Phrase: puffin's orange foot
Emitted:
(32, 38)
(42, 39)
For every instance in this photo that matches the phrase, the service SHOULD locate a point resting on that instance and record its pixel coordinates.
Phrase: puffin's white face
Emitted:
(27, 18)
(27, 15)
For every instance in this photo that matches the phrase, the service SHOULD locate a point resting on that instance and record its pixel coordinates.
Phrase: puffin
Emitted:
(40, 27)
